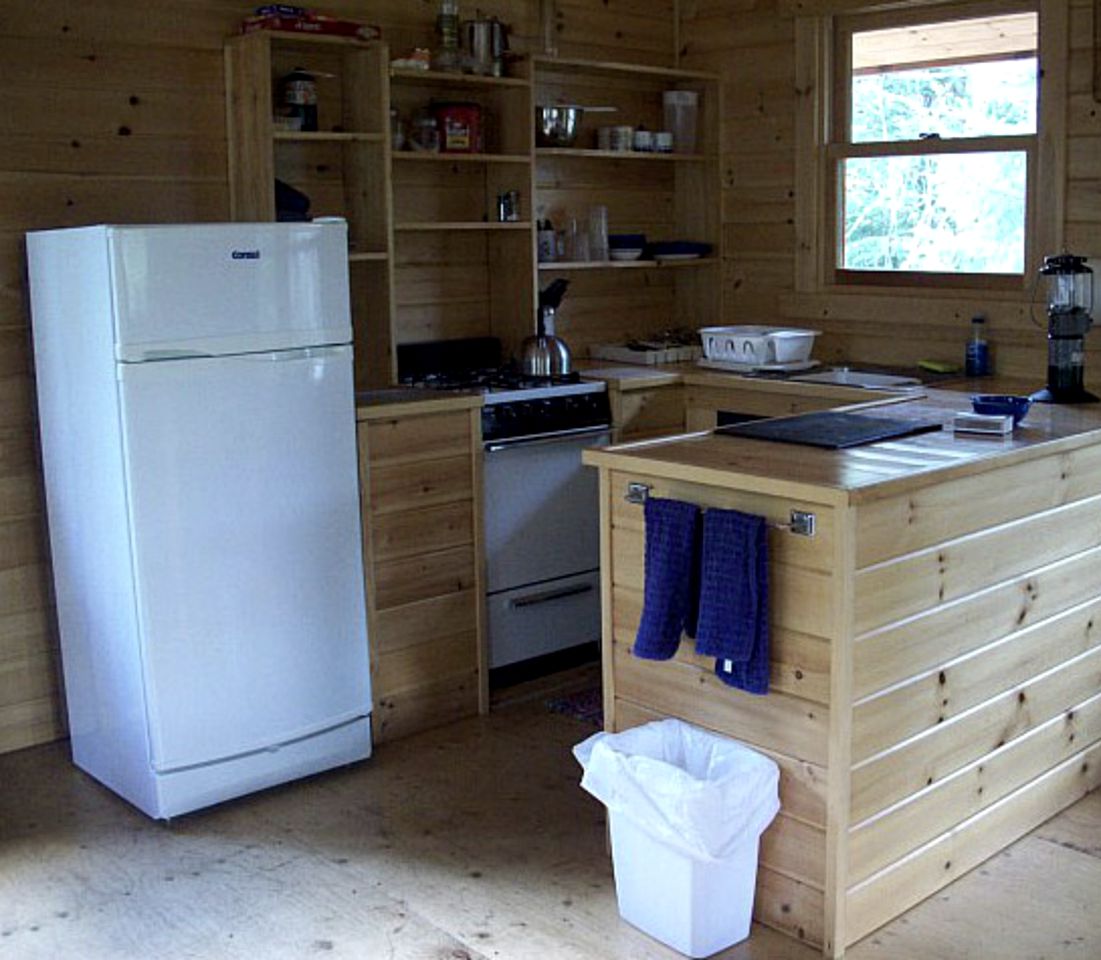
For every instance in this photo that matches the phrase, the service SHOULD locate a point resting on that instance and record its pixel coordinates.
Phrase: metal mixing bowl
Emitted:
(557, 126)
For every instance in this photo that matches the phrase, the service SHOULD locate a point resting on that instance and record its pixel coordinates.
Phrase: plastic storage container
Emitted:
(686, 809)
(681, 108)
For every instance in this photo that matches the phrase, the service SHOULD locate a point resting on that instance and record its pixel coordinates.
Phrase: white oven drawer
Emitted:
(543, 618)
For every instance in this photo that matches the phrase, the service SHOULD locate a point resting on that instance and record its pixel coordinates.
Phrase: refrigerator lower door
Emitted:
(244, 511)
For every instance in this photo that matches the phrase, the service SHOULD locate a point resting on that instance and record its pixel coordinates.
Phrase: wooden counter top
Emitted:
(407, 401)
(860, 473)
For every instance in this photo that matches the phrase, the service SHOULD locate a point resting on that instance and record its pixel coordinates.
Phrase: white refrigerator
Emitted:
(197, 420)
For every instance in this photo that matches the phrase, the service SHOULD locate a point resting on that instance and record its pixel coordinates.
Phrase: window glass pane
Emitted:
(943, 213)
(961, 78)
(988, 99)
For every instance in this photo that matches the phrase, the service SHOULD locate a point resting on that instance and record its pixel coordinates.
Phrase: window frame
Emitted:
(823, 80)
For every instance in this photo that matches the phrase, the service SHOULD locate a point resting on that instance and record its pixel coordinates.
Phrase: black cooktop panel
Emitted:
(830, 429)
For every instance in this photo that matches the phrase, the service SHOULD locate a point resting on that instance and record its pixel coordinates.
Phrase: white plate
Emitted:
(732, 367)
(676, 256)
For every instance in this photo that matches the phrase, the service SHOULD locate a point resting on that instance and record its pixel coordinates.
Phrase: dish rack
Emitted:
(758, 345)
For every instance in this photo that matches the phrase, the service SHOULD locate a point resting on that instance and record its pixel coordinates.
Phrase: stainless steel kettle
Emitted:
(546, 355)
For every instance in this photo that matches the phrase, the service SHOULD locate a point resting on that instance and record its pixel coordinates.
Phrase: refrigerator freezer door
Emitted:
(242, 479)
(206, 290)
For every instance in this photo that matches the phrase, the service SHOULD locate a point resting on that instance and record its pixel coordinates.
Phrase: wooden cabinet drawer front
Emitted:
(428, 621)
(422, 663)
(651, 412)
(409, 486)
(413, 532)
(405, 712)
(398, 582)
(432, 436)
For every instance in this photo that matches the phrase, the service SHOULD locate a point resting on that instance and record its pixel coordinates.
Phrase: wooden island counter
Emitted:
(936, 665)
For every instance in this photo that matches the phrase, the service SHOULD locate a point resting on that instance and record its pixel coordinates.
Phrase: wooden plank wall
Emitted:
(114, 112)
(751, 42)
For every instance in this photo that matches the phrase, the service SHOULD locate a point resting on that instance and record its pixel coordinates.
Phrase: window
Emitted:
(928, 159)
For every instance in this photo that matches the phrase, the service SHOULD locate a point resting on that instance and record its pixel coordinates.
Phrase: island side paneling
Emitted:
(976, 671)
(792, 724)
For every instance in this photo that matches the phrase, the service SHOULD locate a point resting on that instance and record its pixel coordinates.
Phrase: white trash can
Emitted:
(686, 809)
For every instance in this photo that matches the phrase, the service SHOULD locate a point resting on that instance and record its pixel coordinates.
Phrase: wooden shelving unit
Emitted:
(428, 259)
(343, 167)
(666, 196)
(458, 271)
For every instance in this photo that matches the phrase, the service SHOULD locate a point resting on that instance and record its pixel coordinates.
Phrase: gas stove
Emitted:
(516, 407)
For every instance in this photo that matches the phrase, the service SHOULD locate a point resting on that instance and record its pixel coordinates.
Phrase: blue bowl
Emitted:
(626, 241)
(1001, 405)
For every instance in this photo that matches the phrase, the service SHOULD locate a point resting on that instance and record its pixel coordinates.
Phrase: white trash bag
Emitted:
(702, 794)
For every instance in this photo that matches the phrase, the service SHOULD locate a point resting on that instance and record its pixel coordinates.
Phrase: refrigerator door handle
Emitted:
(298, 353)
(269, 356)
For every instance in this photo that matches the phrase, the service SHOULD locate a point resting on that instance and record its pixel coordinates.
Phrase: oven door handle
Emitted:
(546, 596)
(579, 434)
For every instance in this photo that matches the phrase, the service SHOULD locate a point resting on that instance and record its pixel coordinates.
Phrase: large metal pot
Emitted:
(557, 125)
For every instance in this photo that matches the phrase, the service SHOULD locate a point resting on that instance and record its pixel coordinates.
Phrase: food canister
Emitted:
(508, 206)
(642, 141)
(460, 127)
(299, 95)
(621, 138)
(663, 142)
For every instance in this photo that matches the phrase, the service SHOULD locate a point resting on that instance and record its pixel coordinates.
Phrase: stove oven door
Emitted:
(542, 543)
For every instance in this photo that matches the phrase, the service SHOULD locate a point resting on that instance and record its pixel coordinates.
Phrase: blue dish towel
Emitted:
(733, 605)
(669, 595)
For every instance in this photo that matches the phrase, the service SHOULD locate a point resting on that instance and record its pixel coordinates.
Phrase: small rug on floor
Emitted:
(585, 705)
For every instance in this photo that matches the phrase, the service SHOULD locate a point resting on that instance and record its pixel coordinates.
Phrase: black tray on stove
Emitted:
(829, 429)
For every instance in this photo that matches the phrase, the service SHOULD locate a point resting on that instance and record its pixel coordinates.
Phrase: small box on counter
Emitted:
(997, 425)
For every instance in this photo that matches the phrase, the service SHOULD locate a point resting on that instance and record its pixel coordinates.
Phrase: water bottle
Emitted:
(977, 356)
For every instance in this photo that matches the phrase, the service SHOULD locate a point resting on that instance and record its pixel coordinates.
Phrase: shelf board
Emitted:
(439, 78)
(461, 157)
(608, 68)
(460, 225)
(570, 265)
(618, 154)
(315, 136)
(297, 37)
(370, 256)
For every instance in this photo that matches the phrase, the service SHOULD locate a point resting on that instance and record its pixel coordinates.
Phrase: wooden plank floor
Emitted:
(472, 842)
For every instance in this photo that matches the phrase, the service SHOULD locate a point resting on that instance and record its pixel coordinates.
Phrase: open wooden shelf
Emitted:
(318, 136)
(561, 265)
(379, 256)
(404, 155)
(430, 226)
(629, 70)
(439, 78)
(618, 154)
